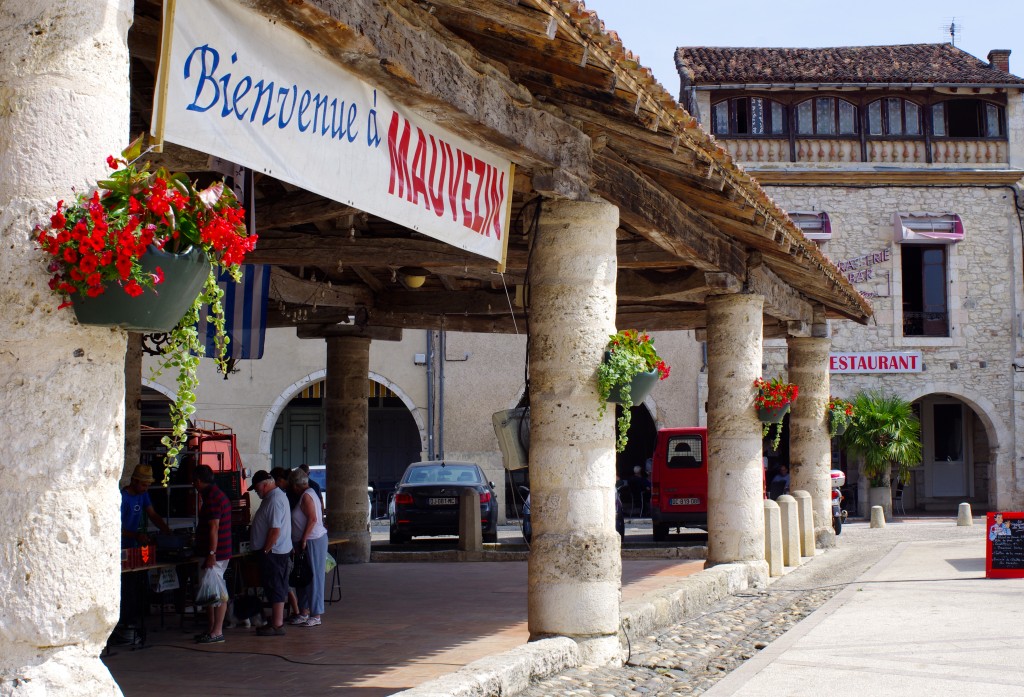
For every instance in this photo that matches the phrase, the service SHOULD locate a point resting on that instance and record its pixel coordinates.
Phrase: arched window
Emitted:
(968, 118)
(826, 116)
(893, 116)
(748, 116)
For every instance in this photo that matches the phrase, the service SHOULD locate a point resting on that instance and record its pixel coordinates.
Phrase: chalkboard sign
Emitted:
(1004, 545)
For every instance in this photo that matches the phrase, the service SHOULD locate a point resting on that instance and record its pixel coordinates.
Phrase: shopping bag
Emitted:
(302, 575)
(331, 563)
(161, 580)
(212, 590)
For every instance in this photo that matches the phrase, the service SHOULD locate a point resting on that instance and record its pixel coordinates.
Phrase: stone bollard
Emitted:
(963, 515)
(805, 514)
(773, 537)
(790, 530)
(471, 537)
(877, 517)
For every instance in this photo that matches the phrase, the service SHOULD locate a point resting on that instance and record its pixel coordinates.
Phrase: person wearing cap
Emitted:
(271, 538)
(136, 508)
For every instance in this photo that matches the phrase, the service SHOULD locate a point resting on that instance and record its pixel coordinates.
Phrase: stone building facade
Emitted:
(858, 152)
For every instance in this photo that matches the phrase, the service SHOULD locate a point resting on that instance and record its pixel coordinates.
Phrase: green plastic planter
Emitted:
(773, 415)
(639, 387)
(156, 310)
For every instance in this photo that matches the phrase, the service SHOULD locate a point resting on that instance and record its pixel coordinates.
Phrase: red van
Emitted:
(679, 480)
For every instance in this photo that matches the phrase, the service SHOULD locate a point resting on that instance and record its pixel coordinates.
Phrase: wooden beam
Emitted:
(665, 220)
(780, 300)
(298, 249)
(342, 330)
(476, 302)
(293, 290)
(680, 286)
(298, 208)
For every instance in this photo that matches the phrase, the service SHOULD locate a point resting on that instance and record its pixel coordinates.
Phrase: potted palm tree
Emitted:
(887, 435)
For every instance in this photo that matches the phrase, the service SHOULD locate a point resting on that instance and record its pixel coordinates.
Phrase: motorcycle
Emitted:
(838, 513)
(620, 520)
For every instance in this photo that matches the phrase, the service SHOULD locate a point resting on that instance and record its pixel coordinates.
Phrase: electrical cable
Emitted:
(214, 652)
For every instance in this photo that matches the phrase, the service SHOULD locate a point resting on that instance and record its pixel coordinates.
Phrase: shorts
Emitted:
(274, 574)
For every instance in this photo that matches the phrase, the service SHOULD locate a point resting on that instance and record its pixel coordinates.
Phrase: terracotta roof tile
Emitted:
(920, 63)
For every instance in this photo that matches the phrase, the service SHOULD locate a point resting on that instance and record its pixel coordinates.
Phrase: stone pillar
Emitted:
(575, 568)
(810, 448)
(65, 96)
(773, 537)
(132, 406)
(347, 416)
(735, 470)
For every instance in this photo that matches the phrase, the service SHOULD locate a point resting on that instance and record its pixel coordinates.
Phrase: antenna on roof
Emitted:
(952, 29)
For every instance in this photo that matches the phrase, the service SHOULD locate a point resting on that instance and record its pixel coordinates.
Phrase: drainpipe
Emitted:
(443, 350)
(430, 395)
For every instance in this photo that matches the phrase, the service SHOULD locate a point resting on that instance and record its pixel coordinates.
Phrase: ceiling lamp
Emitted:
(412, 276)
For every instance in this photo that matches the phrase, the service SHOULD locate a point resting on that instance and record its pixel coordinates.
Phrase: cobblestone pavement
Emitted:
(688, 658)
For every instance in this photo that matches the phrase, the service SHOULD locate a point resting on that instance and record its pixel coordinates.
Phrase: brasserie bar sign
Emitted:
(877, 362)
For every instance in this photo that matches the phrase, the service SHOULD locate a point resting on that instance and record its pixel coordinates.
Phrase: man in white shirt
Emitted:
(271, 538)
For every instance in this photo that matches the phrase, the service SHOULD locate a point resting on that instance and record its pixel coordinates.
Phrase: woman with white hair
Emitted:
(310, 536)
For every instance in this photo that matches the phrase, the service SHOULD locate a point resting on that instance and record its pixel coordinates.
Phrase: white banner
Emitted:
(245, 88)
(878, 362)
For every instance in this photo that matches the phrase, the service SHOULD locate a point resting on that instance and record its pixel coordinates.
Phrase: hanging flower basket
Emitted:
(156, 309)
(772, 403)
(142, 251)
(630, 370)
(840, 415)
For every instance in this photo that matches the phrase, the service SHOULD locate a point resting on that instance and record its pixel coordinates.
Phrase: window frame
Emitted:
(815, 225)
(981, 105)
(733, 118)
(938, 327)
(886, 121)
(835, 117)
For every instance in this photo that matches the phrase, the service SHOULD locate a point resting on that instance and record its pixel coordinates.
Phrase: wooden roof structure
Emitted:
(542, 83)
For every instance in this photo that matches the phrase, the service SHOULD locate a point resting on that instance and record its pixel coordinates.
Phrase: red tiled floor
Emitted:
(398, 625)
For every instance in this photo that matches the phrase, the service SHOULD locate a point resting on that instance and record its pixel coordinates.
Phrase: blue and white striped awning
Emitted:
(245, 313)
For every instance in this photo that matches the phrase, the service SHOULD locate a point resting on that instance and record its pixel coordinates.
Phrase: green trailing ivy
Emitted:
(629, 353)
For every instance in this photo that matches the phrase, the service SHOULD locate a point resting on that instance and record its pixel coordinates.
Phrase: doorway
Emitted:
(946, 452)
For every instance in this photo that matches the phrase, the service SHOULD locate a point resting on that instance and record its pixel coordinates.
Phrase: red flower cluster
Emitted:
(96, 243)
(774, 393)
(639, 344)
(839, 405)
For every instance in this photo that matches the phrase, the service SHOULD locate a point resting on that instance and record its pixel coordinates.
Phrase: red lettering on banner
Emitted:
(436, 184)
(447, 178)
(883, 363)
(419, 170)
(398, 152)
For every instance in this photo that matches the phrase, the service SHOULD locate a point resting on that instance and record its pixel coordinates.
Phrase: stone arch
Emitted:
(286, 396)
(162, 389)
(995, 429)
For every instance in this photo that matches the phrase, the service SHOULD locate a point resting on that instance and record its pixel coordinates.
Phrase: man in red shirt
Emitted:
(213, 543)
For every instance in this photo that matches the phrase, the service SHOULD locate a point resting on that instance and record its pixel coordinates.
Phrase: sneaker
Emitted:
(200, 638)
(298, 619)
(209, 639)
(290, 619)
(268, 630)
(311, 622)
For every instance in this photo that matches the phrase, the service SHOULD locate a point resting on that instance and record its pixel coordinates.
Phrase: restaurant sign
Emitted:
(880, 362)
(241, 86)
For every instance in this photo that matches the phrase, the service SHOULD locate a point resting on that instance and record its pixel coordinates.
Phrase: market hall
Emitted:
(622, 213)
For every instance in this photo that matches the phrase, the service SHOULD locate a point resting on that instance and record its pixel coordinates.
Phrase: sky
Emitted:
(653, 29)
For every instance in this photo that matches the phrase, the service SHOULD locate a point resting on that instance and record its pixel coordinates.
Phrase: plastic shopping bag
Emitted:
(212, 590)
(331, 563)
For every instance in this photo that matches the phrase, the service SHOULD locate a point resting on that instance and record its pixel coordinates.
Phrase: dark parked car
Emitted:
(426, 500)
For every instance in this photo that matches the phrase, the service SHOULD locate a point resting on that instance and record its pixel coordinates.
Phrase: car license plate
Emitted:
(444, 501)
(684, 502)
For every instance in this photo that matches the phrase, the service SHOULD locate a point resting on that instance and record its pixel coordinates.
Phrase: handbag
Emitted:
(301, 575)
